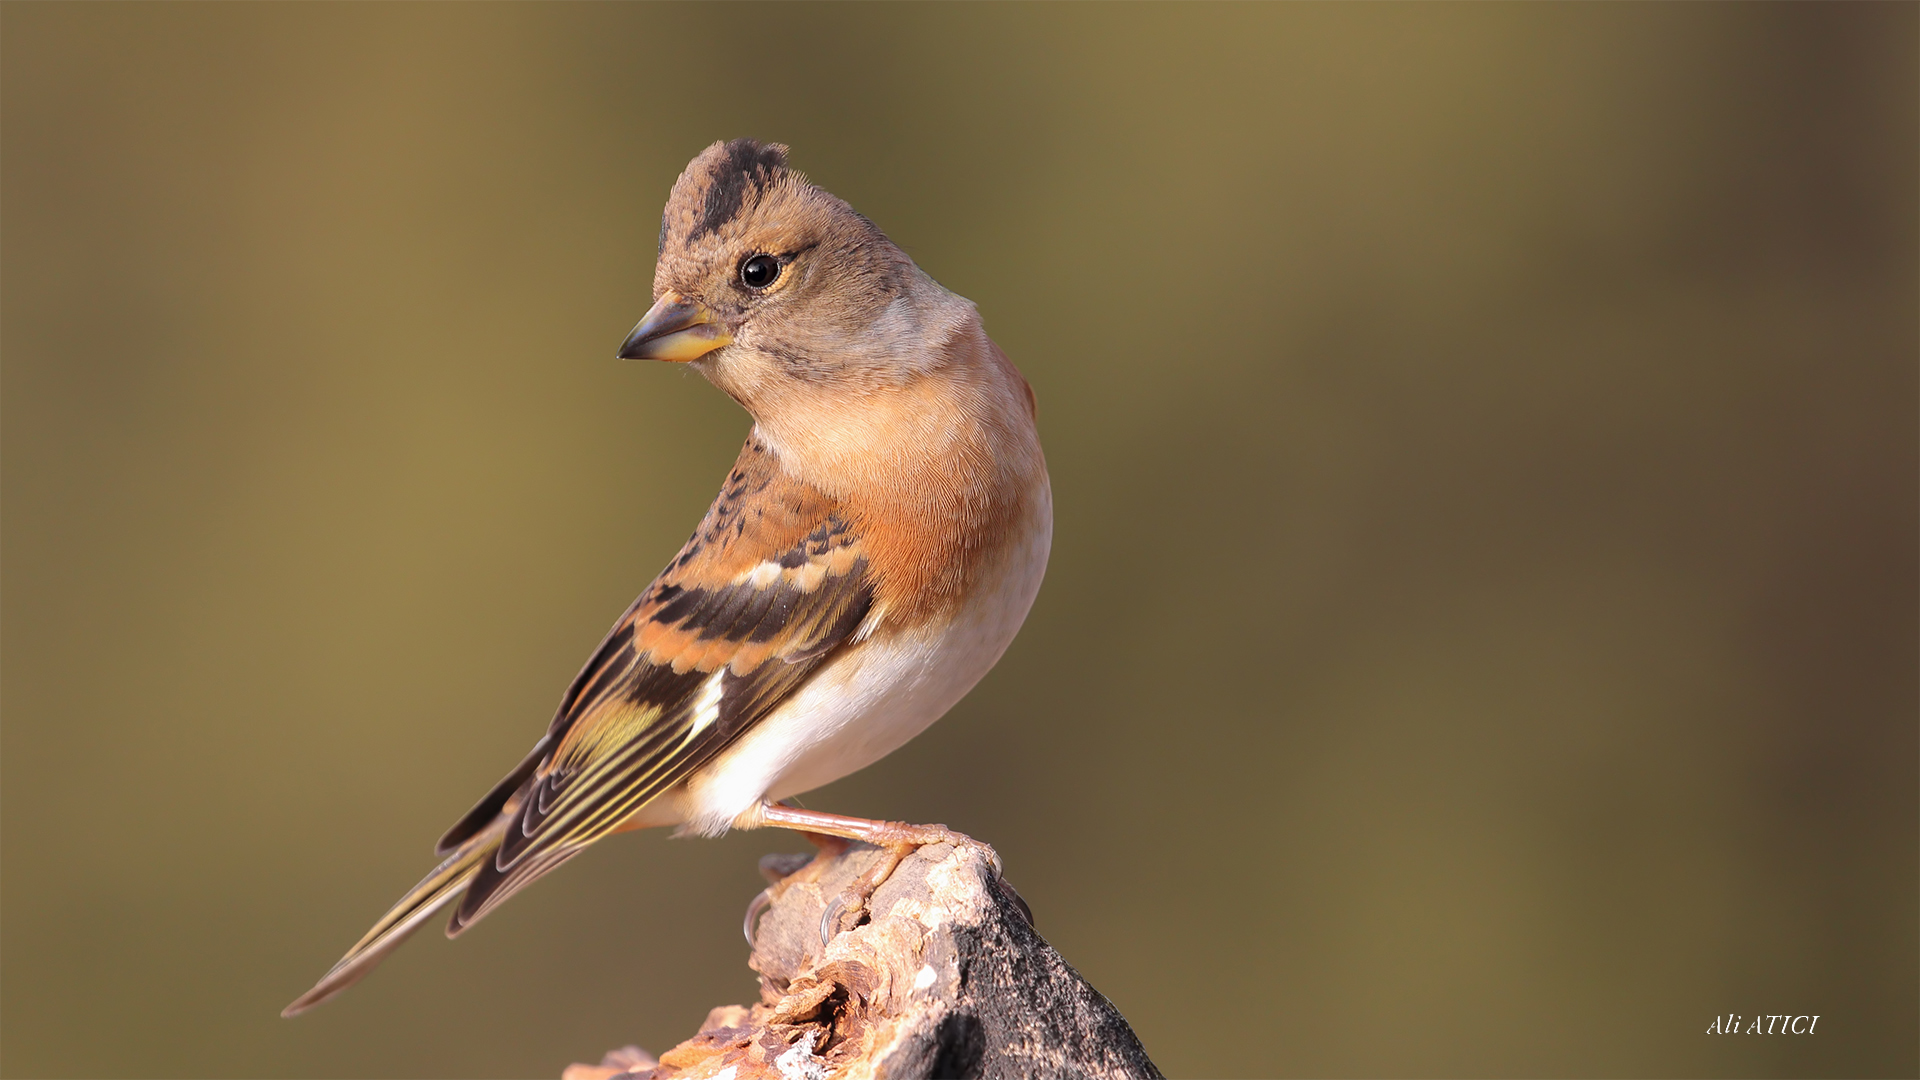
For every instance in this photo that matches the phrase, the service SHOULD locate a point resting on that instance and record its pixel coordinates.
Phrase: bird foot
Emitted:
(896, 840)
(783, 871)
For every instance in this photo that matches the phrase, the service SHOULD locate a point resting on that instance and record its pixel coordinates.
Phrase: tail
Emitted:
(445, 883)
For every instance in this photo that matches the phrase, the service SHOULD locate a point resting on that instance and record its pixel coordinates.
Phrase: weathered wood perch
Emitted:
(946, 979)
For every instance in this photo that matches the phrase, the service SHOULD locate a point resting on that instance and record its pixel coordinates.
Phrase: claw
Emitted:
(753, 912)
(828, 917)
(1019, 902)
(993, 860)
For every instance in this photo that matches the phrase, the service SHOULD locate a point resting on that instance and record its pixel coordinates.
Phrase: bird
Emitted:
(870, 556)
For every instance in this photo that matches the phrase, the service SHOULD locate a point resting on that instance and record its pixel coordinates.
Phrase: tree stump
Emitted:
(947, 978)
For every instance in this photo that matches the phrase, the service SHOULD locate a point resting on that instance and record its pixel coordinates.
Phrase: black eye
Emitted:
(759, 271)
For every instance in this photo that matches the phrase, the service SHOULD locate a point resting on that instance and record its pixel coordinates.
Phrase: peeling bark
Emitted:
(947, 979)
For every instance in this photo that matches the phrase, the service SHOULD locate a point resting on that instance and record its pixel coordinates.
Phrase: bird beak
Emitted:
(674, 329)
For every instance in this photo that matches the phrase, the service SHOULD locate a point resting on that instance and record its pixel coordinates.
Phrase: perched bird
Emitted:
(869, 557)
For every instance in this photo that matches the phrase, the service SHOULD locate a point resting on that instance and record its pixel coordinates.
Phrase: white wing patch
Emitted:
(806, 577)
(706, 706)
(760, 576)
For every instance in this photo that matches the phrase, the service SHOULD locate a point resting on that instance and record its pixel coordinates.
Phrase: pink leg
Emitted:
(895, 839)
(829, 847)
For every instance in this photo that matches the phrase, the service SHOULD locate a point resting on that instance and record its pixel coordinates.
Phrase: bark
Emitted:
(947, 978)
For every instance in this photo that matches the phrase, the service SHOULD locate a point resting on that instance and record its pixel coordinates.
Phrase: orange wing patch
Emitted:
(773, 573)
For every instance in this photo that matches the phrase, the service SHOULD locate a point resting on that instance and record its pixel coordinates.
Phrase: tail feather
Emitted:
(486, 810)
(435, 891)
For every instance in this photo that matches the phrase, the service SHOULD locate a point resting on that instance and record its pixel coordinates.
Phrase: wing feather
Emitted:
(772, 582)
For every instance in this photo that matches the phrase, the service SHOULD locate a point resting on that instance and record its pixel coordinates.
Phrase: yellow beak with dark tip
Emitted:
(676, 330)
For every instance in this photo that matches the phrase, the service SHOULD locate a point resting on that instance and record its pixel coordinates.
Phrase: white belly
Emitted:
(866, 703)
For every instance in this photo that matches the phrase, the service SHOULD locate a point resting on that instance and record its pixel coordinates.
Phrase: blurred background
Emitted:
(1481, 633)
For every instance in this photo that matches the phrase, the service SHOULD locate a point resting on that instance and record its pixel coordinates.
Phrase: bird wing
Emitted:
(772, 581)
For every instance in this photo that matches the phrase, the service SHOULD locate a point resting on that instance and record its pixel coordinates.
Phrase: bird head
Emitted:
(773, 288)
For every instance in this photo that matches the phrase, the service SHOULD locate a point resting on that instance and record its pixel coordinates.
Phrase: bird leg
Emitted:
(781, 873)
(895, 839)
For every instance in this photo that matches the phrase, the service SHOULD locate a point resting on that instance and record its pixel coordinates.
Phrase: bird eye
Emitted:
(759, 271)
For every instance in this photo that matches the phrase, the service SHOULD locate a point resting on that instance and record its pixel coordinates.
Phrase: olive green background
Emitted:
(1481, 633)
